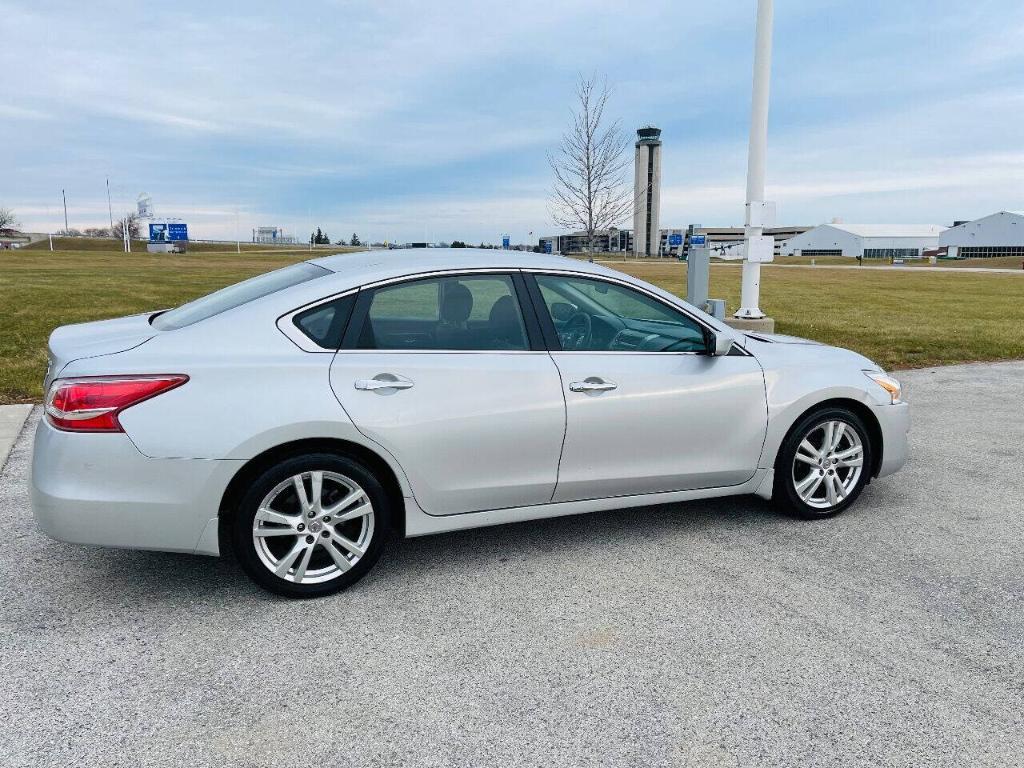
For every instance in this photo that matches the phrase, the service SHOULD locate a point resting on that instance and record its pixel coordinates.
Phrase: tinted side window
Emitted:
(597, 316)
(469, 312)
(325, 324)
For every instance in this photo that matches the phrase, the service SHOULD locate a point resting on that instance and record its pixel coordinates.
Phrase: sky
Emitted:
(406, 121)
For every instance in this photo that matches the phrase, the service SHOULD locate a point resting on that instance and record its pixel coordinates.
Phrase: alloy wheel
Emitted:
(313, 527)
(828, 463)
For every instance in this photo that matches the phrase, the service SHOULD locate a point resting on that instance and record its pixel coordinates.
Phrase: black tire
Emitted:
(784, 494)
(242, 527)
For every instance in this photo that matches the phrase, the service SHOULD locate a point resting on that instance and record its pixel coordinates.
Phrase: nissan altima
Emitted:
(301, 417)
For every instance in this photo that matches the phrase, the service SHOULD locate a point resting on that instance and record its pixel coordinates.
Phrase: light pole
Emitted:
(756, 209)
(110, 208)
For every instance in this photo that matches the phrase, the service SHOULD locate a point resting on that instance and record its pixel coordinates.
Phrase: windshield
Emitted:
(236, 295)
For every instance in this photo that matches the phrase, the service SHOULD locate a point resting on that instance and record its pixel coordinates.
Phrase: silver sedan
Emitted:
(304, 415)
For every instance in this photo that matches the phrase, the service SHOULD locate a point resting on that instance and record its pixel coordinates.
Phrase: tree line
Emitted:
(322, 238)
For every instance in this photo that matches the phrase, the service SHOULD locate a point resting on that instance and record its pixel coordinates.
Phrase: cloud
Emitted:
(14, 112)
(403, 118)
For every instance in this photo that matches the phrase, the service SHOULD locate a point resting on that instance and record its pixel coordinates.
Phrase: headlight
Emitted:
(886, 382)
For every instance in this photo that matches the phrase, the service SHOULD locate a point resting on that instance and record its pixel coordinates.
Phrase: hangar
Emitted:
(871, 241)
(999, 234)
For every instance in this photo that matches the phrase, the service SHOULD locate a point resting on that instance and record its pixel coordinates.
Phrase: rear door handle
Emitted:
(592, 384)
(384, 381)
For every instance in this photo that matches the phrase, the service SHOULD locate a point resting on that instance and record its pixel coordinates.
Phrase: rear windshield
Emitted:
(236, 295)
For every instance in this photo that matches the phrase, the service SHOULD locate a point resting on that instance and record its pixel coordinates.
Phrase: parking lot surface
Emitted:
(702, 634)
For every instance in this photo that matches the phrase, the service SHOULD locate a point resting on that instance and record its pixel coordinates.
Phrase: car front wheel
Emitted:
(311, 526)
(823, 465)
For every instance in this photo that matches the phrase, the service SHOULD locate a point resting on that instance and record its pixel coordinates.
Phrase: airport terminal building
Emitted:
(605, 241)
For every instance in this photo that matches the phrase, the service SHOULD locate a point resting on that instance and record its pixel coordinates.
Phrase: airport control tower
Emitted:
(647, 192)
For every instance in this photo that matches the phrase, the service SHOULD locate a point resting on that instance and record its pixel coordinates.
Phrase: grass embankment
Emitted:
(898, 318)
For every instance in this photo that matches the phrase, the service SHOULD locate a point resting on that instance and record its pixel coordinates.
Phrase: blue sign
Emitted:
(698, 239)
(168, 233)
(547, 246)
(675, 238)
(505, 241)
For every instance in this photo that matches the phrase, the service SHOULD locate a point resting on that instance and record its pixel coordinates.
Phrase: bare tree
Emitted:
(133, 227)
(8, 220)
(591, 192)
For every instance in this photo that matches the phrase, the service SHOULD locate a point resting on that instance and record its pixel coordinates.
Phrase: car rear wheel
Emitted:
(823, 465)
(311, 526)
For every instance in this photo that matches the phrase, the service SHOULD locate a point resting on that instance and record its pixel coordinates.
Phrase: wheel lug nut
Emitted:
(311, 513)
(326, 534)
(327, 518)
(310, 539)
(301, 526)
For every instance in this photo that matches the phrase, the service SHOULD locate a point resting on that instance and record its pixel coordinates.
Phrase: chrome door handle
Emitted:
(592, 384)
(384, 381)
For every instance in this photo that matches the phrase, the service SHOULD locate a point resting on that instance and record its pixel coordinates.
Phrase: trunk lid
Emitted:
(103, 337)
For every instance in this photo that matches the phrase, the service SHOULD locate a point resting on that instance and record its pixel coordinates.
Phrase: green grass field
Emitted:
(898, 318)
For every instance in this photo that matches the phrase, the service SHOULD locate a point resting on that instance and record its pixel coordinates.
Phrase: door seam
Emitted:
(565, 426)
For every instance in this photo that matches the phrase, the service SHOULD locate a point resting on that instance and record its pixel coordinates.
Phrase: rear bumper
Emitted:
(98, 489)
(894, 421)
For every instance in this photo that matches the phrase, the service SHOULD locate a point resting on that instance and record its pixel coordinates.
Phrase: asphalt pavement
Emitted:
(700, 634)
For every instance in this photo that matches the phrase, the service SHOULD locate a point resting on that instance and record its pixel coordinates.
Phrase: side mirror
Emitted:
(720, 344)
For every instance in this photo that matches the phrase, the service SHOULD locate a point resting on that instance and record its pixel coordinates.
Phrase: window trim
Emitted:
(361, 310)
(551, 335)
(286, 322)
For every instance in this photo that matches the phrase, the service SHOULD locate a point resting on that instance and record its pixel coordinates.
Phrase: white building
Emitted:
(271, 235)
(871, 241)
(1001, 234)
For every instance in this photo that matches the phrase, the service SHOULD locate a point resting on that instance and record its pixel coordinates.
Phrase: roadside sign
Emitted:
(698, 239)
(675, 238)
(168, 232)
(506, 240)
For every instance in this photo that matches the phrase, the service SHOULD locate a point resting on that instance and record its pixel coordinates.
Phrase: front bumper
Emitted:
(99, 489)
(894, 421)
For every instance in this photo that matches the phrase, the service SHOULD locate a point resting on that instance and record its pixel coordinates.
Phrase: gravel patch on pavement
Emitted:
(701, 634)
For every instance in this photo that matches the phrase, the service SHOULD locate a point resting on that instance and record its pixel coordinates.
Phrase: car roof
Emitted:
(364, 266)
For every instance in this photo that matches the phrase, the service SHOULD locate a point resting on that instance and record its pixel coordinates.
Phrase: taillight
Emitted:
(92, 405)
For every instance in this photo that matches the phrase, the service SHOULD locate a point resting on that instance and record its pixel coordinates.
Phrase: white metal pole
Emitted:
(756, 158)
